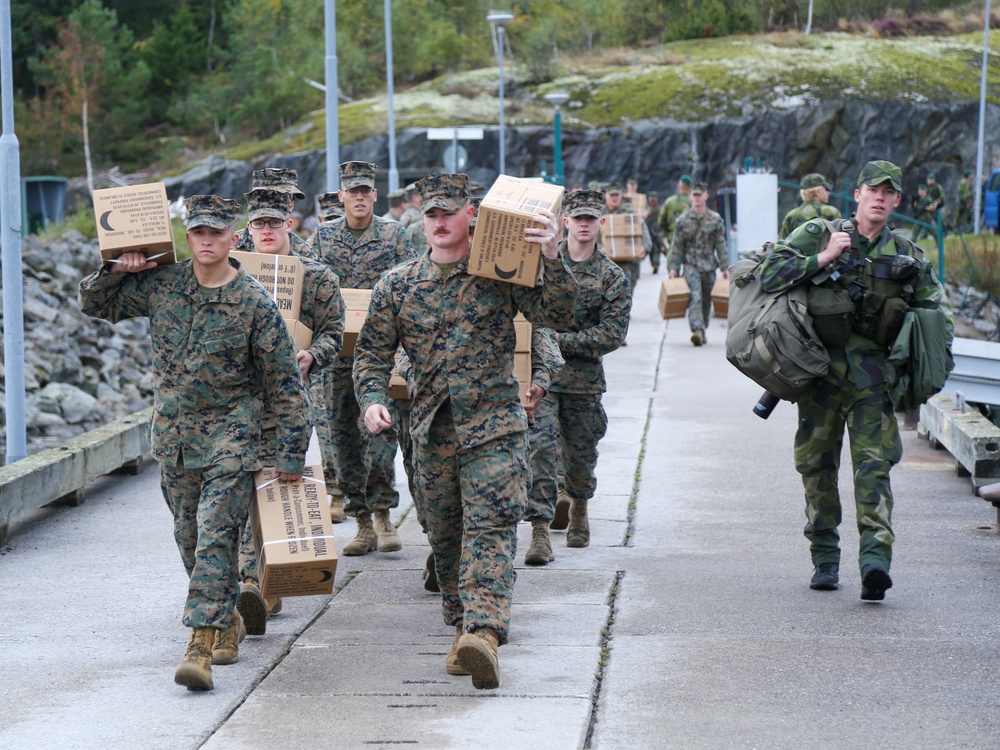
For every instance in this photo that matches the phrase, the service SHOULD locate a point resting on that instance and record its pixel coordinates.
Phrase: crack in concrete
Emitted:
(602, 664)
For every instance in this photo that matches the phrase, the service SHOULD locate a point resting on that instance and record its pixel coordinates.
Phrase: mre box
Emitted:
(674, 298)
(499, 250)
(522, 371)
(296, 551)
(356, 303)
(621, 236)
(522, 334)
(720, 298)
(134, 219)
(281, 275)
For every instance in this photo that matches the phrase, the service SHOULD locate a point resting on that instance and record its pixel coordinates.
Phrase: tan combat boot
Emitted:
(561, 518)
(365, 540)
(477, 653)
(578, 534)
(251, 606)
(451, 664)
(336, 507)
(195, 670)
(273, 605)
(540, 550)
(227, 642)
(385, 531)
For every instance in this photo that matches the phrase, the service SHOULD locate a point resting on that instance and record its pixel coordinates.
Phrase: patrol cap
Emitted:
(411, 188)
(329, 206)
(447, 191)
(930, 176)
(652, 194)
(814, 180)
(585, 203)
(593, 185)
(921, 186)
(877, 172)
(966, 172)
(686, 179)
(699, 188)
(613, 188)
(357, 174)
(285, 180)
(396, 197)
(267, 203)
(210, 211)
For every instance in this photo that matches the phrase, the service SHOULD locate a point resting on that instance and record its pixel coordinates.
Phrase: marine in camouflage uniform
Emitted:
(468, 425)
(854, 394)
(615, 204)
(415, 234)
(273, 178)
(221, 357)
(329, 207)
(815, 193)
(698, 248)
(673, 207)
(966, 201)
(397, 205)
(412, 215)
(652, 224)
(359, 248)
(322, 311)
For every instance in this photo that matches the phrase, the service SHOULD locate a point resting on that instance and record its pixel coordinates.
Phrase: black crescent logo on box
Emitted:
(504, 274)
(327, 575)
(104, 222)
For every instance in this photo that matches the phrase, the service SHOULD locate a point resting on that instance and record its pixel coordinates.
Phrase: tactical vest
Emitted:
(868, 296)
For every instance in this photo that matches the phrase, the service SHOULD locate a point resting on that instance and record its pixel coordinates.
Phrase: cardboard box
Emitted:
(522, 371)
(296, 551)
(720, 298)
(397, 384)
(522, 334)
(301, 334)
(499, 250)
(639, 203)
(134, 219)
(674, 297)
(356, 302)
(281, 275)
(621, 236)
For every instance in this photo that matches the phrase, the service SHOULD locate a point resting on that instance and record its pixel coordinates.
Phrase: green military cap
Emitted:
(396, 197)
(930, 176)
(585, 203)
(447, 191)
(329, 206)
(877, 172)
(814, 180)
(357, 174)
(285, 180)
(699, 188)
(593, 185)
(613, 188)
(921, 186)
(267, 203)
(966, 172)
(686, 179)
(210, 211)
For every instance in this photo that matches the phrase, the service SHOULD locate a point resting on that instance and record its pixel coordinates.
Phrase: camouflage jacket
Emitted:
(699, 242)
(359, 263)
(410, 217)
(672, 209)
(601, 319)
(935, 194)
(458, 331)
(415, 233)
(244, 242)
(546, 360)
(793, 261)
(219, 356)
(803, 213)
(965, 194)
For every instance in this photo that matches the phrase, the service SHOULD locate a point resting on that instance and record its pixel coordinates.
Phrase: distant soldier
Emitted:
(359, 248)
(698, 249)
(222, 358)
(284, 180)
(966, 199)
(922, 208)
(412, 213)
(815, 193)
(615, 204)
(673, 207)
(936, 194)
(397, 205)
(415, 234)
(652, 224)
(329, 206)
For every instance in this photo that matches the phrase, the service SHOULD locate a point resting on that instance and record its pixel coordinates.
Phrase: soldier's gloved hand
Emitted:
(377, 418)
(839, 242)
(535, 395)
(132, 263)
(547, 235)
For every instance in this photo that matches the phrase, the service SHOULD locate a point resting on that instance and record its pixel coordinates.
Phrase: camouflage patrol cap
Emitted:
(357, 174)
(396, 197)
(930, 176)
(585, 203)
(593, 185)
(877, 172)
(613, 188)
(686, 179)
(285, 180)
(210, 211)
(814, 180)
(699, 188)
(329, 206)
(447, 191)
(267, 203)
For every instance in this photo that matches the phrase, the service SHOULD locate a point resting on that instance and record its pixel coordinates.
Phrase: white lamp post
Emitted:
(498, 20)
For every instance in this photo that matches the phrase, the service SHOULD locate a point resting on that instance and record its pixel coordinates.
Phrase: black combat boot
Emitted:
(826, 577)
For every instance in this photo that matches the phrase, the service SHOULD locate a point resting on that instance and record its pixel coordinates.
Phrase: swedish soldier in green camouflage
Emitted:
(697, 250)
(468, 425)
(936, 194)
(652, 224)
(964, 208)
(923, 213)
(274, 178)
(673, 207)
(221, 357)
(854, 394)
(815, 193)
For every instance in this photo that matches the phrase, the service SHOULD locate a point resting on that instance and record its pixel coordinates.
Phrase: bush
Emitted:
(886, 28)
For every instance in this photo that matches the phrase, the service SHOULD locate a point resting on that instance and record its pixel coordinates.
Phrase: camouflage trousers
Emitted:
(406, 448)
(700, 305)
(875, 448)
(963, 218)
(654, 256)
(364, 465)
(473, 500)
(632, 270)
(919, 232)
(564, 435)
(210, 508)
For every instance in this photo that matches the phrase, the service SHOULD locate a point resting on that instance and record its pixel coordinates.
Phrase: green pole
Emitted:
(940, 244)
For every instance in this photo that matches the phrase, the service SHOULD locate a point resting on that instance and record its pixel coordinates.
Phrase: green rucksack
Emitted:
(770, 336)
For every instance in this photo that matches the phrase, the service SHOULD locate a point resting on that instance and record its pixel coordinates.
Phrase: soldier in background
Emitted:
(673, 207)
(615, 204)
(415, 234)
(412, 214)
(274, 178)
(359, 248)
(468, 423)
(936, 195)
(397, 205)
(698, 248)
(652, 224)
(329, 206)
(815, 194)
(921, 207)
(965, 203)
(222, 356)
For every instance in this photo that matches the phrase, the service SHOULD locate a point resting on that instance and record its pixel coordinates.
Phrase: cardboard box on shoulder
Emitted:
(621, 236)
(674, 298)
(720, 297)
(296, 551)
(499, 250)
(134, 219)
(639, 203)
(281, 275)
(356, 302)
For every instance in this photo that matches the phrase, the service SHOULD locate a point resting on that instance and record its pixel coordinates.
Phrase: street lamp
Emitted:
(557, 99)
(498, 20)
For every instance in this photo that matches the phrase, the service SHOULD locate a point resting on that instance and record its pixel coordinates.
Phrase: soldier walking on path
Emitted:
(964, 205)
(359, 248)
(936, 195)
(614, 204)
(222, 356)
(673, 207)
(468, 424)
(923, 213)
(322, 311)
(815, 193)
(412, 215)
(652, 224)
(854, 394)
(285, 181)
(698, 248)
